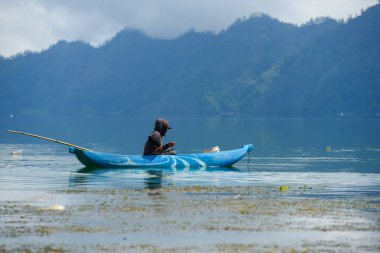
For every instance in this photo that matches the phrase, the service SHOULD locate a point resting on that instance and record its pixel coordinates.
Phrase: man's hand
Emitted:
(171, 144)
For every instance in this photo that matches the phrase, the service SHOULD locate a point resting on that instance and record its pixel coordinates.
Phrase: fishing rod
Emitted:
(48, 139)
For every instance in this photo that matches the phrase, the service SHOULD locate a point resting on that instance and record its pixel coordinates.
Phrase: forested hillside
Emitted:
(257, 67)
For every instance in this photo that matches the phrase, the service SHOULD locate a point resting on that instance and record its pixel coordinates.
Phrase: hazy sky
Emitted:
(36, 24)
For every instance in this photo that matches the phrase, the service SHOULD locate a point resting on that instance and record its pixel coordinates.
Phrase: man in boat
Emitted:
(153, 145)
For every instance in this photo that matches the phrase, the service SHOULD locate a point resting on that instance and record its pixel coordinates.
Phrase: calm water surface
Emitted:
(332, 158)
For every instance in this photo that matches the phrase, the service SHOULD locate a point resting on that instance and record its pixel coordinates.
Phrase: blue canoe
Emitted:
(222, 158)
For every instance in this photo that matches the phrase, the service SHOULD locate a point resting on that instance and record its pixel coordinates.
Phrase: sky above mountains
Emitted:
(36, 24)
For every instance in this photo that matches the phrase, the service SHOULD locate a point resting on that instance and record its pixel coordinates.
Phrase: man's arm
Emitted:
(162, 148)
(168, 145)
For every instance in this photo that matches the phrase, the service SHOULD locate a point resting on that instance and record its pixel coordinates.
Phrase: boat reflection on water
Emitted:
(152, 178)
(154, 181)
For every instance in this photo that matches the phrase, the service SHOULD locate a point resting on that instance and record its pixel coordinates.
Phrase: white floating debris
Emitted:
(16, 152)
(237, 196)
(55, 208)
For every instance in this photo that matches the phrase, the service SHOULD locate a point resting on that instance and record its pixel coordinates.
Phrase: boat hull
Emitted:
(222, 158)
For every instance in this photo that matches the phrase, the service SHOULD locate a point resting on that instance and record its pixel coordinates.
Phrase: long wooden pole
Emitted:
(48, 139)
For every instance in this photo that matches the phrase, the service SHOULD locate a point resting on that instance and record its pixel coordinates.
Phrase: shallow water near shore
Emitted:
(48, 167)
(289, 194)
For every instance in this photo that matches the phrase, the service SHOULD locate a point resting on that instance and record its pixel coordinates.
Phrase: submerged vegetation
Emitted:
(144, 220)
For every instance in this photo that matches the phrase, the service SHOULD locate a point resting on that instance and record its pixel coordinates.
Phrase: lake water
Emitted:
(331, 166)
(338, 157)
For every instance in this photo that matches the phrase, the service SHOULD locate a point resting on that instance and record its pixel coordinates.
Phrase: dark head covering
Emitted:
(161, 125)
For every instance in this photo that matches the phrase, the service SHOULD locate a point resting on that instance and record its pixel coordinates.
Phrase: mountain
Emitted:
(257, 67)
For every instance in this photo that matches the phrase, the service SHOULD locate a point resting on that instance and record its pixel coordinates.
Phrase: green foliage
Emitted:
(257, 67)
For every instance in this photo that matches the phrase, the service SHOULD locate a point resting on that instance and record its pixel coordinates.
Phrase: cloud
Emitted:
(36, 24)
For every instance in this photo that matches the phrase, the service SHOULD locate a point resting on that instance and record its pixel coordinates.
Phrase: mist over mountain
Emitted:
(257, 67)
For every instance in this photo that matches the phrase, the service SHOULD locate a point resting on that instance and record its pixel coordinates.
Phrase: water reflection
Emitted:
(331, 184)
(152, 178)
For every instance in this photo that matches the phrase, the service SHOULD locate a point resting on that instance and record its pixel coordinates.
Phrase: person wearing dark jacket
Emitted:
(153, 145)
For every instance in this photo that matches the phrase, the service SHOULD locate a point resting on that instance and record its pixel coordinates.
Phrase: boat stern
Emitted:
(72, 150)
(81, 156)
